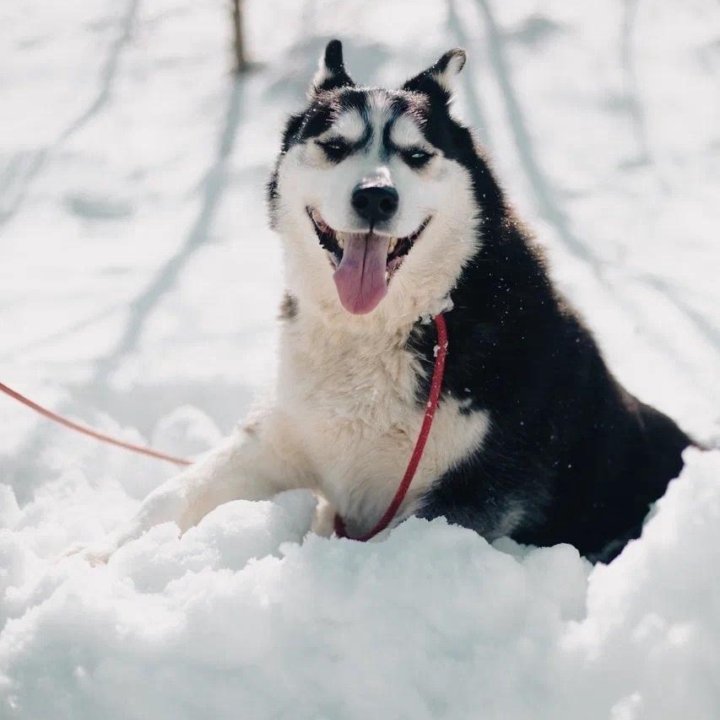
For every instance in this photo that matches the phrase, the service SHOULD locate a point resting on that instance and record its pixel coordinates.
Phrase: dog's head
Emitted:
(373, 191)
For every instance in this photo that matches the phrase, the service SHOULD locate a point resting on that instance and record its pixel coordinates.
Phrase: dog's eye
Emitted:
(334, 149)
(416, 157)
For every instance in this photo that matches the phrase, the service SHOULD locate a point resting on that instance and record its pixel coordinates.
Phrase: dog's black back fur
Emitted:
(574, 454)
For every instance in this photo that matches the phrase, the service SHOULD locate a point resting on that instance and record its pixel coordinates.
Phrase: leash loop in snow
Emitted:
(441, 350)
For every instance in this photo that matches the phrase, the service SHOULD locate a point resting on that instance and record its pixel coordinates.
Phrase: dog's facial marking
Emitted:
(352, 127)
(404, 134)
(404, 138)
(348, 134)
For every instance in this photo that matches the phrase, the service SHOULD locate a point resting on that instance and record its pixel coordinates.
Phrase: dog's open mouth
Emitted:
(363, 262)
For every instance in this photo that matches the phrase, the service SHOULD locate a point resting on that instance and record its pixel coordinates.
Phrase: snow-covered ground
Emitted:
(138, 291)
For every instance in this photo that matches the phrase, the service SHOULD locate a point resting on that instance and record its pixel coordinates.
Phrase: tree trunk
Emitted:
(241, 63)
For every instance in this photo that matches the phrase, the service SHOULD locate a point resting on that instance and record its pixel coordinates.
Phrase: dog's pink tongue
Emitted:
(360, 279)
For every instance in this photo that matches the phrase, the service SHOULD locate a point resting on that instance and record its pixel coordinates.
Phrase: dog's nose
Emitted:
(375, 202)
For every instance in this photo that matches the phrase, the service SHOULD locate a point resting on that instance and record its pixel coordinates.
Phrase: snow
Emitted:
(139, 285)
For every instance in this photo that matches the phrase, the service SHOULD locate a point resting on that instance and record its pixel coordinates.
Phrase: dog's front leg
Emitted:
(255, 463)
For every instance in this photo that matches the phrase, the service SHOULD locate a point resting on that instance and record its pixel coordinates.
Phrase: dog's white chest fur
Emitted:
(350, 398)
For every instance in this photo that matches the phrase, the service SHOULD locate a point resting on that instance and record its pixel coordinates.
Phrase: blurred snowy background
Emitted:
(139, 285)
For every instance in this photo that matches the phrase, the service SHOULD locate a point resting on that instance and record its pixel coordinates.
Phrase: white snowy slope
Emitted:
(138, 291)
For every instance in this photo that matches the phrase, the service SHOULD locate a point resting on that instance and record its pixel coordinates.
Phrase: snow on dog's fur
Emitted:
(389, 214)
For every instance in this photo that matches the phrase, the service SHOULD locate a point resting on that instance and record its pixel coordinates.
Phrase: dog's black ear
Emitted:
(331, 71)
(442, 74)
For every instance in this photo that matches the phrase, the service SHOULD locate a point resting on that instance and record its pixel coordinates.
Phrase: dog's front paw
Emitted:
(324, 520)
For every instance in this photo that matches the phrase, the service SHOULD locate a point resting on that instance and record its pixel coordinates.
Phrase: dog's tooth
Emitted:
(393, 243)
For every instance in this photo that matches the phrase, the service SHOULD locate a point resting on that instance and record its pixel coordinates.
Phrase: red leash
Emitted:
(430, 408)
(89, 431)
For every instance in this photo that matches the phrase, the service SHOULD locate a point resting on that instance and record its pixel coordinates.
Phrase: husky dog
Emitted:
(390, 214)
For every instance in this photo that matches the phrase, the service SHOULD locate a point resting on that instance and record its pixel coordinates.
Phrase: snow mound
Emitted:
(247, 615)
